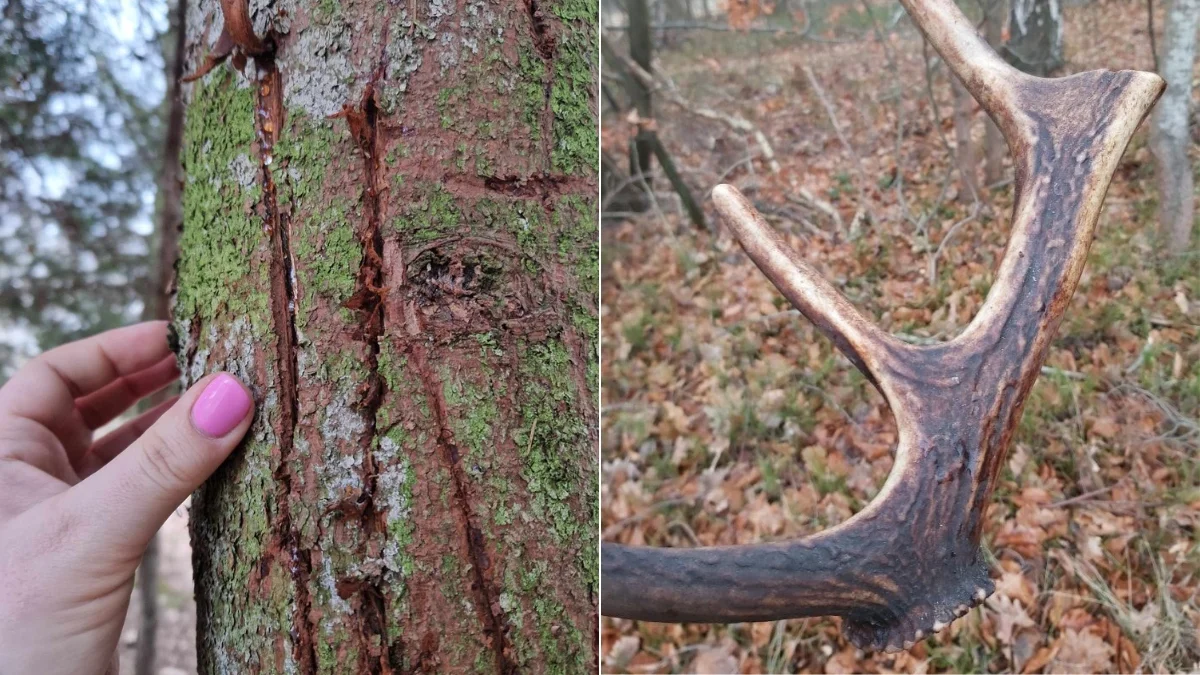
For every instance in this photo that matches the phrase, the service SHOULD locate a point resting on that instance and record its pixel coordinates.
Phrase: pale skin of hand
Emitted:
(76, 512)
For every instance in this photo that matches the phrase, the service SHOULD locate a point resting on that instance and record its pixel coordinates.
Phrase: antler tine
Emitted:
(988, 77)
(910, 563)
(863, 342)
(1066, 136)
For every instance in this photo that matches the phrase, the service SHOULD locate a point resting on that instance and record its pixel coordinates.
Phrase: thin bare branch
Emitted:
(837, 128)
(933, 257)
(736, 122)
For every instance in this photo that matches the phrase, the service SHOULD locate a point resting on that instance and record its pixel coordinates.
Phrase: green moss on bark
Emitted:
(433, 214)
(222, 234)
(553, 472)
(331, 252)
(572, 94)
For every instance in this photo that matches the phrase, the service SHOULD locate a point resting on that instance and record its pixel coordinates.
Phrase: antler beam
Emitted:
(910, 563)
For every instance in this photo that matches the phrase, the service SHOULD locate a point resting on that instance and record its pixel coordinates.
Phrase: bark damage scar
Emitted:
(368, 302)
(371, 298)
(544, 44)
(548, 188)
(269, 118)
(543, 38)
(237, 39)
(487, 598)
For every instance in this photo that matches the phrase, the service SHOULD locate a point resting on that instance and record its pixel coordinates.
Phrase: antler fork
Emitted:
(910, 563)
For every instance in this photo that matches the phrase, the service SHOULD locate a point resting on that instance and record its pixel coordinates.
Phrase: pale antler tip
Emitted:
(723, 191)
(739, 215)
(728, 199)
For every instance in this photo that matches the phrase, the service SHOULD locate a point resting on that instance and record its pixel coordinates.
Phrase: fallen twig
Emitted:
(807, 199)
(612, 530)
(736, 122)
(933, 257)
(837, 128)
(1082, 497)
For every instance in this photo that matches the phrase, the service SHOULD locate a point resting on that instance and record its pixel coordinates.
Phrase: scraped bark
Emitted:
(1170, 138)
(390, 236)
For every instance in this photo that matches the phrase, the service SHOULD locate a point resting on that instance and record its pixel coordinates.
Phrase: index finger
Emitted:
(44, 390)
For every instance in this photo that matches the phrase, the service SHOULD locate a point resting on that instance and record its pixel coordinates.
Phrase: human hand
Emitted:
(76, 513)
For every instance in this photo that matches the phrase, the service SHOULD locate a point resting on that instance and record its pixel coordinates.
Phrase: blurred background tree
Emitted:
(82, 114)
(89, 194)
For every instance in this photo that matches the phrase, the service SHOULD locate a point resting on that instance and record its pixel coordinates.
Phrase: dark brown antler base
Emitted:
(910, 563)
(889, 600)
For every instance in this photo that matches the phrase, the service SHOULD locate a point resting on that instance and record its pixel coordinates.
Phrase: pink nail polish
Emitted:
(222, 405)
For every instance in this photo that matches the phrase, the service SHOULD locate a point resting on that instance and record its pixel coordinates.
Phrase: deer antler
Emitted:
(910, 563)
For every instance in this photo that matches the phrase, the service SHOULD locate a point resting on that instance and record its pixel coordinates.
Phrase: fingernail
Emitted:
(222, 405)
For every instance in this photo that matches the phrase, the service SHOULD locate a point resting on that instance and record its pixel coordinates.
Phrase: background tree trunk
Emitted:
(640, 47)
(966, 155)
(390, 235)
(1169, 137)
(993, 140)
(158, 304)
(1035, 42)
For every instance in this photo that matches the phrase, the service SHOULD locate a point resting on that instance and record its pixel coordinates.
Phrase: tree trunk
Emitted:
(1169, 137)
(158, 306)
(390, 235)
(640, 47)
(967, 157)
(993, 141)
(1035, 43)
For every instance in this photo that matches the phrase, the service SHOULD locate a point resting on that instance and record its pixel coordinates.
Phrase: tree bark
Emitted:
(690, 205)
(1169, 137)
(390, 236)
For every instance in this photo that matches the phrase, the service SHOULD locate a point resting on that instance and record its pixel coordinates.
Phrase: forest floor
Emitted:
(728, 419)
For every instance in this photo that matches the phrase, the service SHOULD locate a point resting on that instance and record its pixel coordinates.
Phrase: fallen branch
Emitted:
(783, 212)
(810, 200)
(933, 257)
(736, 122)
(837, 128)
(803, 32)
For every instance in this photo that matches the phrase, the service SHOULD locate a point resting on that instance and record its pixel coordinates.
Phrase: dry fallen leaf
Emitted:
(1009, 616)
(717, 660)
(842, 663)
(1015, 585)
(1082, 652)
(622, 651)
(1106, 427)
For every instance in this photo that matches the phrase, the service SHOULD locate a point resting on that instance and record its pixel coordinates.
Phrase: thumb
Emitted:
(131, 496)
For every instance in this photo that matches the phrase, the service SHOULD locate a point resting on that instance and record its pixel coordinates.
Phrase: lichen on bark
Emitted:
(390, 235)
